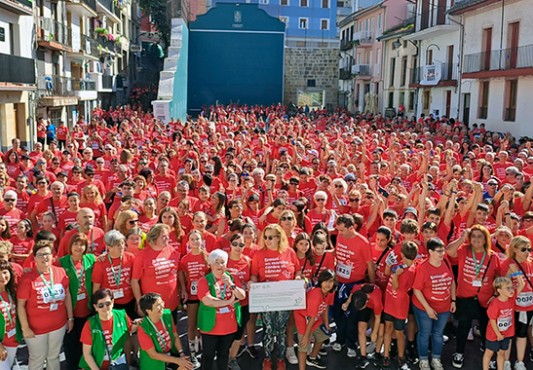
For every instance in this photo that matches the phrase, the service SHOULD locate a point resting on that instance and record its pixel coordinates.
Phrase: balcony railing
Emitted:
(345, 74)
(16, 69)
(110, 5)
(346, 45)
(64, 86)
(107, 82)
(519, 57)
(448, 72)
(53, 31)
(362, 37)
(106, 44)
(361, 70)
(89, 45)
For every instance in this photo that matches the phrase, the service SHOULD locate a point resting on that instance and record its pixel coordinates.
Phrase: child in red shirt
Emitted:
(500, 329)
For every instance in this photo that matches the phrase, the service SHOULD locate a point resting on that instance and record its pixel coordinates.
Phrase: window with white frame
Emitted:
(325, 4)
(324, 24)
(303, 23)
(304, 3)
(284, 2)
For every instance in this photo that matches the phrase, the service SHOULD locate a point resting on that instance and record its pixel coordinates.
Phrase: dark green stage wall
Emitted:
(235, 55)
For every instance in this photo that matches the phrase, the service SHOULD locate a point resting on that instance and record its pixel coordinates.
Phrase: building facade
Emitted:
(497, 77)
(17, 71)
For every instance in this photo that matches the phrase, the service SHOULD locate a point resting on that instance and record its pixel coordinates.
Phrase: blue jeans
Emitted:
(428, 327)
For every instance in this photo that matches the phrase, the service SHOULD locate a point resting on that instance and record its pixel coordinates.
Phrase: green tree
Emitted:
(158, 11)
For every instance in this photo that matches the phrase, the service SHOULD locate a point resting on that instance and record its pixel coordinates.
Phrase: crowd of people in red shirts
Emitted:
(399, 227)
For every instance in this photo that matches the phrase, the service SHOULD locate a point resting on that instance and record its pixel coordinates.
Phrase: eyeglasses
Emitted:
(293, 183)
(320, 200)
(76, 172)
(355, 199)
(338, 186)
(9, 200)
(492, 184)
(525, 250)
(104, 304)
(270, 237)
(90, 174)
(132, 222)
(289, 218)
(439, 251)
(239, 245)
(105, 149)
(41, 183)
(43, 255)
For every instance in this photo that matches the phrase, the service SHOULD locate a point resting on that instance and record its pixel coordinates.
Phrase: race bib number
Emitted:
(524, 299)
(119, 293)
(57, 293)
(344, 271)
(11, 333)
(194, 288)
(504, 323)
(477, 283)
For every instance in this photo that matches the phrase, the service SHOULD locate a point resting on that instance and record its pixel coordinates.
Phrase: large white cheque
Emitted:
(286, 295)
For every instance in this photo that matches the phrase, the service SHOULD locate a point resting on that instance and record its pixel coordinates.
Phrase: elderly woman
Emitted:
(220, 311)
(155, 268)
(44, 307)
(79, 267)
(158, 336)
(478, 267)
(276, 261)
(105, 334)
(320, 213)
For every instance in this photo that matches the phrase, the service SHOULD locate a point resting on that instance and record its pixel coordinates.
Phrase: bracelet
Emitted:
(232, 287)
(518, 273)
(70, 319)
(453, 300)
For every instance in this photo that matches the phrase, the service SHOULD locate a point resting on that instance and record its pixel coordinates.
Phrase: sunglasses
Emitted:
(240, 245)
(104, 304)
(320, 200)
(354, 199)
(339, 186)
(132, 222)
(525, 250)
(286, 218)
(270, 237)
(9, 200)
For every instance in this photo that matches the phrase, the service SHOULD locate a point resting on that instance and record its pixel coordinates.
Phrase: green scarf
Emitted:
(146, 361)
(87, 262)
(207, 315)
(120, 335)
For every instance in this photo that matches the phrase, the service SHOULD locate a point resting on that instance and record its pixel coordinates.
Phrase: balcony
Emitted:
(64, 86)
(109, 8)
(361, 70)
(85, 7)
(53, 35)
(362, 38)
(345, 74)
(107, 46)
(432, 75)
(107, 82)
(104, 83)
(17, 70)
(89, 46)
(500, 63)
(346, 45)
(20, 7)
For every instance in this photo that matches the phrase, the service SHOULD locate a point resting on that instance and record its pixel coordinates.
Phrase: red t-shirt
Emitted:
(226, 321)
(327, 263)
(316, 304)
(157, 272)
(146, 342)
(397, 300)
(353, 256)
(194, 267)
(81, 309)
(524, 301)
(240, 270)
(9, 310)
(95, 237)
(269, 265)
(375, 298)
(503, 313)
(21, 247)
(435, 284)
(46, 311)
(107, 329)
(107, 275)
(470, 278)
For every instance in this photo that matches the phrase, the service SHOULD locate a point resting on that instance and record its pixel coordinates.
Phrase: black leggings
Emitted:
(218, 345)
(469, 309)
(72, 345)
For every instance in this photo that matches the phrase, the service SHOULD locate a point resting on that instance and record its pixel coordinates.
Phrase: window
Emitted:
(391, 99)
(511, 91)
(302, 23)
(411, 100)
(324, 24)
(483, 99)
(392, 71)
(303, 3)
(402, 99)
(426, 98)
(284, 2)
(325, 4)
(404, 72)
(311, 83)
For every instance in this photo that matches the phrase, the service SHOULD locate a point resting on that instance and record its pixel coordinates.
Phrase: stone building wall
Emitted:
(319, 64)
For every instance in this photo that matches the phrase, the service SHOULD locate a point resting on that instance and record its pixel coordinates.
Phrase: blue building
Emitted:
(236, 54)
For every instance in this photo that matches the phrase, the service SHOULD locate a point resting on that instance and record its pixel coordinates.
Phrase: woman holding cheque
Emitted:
(275, 262)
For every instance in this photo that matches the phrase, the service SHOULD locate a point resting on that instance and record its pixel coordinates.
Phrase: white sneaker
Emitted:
(470, 336)
(337, 347)
(445, 338)
(519, 365)
(424, 365)
(507, 365)
(436, 364)
(290, 355)
(351, 353)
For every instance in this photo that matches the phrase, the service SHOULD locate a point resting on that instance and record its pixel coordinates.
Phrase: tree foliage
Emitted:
(159, 13)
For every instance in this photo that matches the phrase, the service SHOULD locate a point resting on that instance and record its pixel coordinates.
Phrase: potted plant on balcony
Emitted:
(101, 31)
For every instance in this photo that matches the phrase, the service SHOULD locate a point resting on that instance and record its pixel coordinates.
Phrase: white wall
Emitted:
(22, 39)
